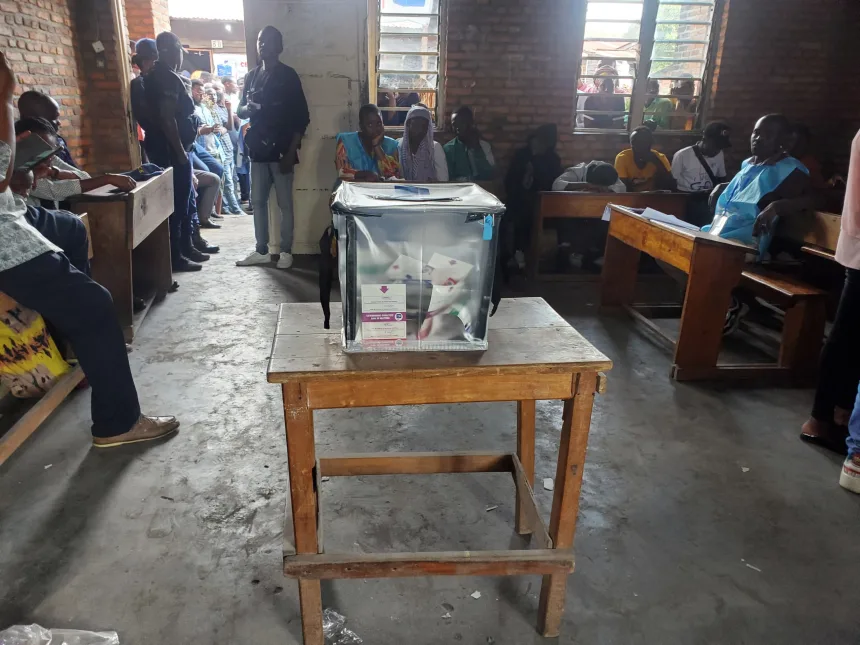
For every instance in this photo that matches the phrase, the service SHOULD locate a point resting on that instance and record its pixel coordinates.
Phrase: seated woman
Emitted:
(422, 159)
(771, 184)
(367, 155)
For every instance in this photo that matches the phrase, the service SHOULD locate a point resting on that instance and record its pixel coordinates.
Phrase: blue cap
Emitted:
(146, 48)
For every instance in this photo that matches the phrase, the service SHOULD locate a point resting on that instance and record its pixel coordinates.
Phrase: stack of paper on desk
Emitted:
(655, 216)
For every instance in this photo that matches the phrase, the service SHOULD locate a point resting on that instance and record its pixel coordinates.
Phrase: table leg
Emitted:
(565, 501)
(618, 278)
(533, 260)
(713, 276)
(301, 458)
(526, 453)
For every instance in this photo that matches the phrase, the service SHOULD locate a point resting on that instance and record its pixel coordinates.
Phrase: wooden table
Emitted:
(131, 240)
(534, 355)
(576, 205)
(713, 265)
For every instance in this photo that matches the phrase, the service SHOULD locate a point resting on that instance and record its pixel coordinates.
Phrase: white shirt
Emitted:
(19, 241)
(438, 160)
(848, 246)
(57, 191)
(576, 175)
(691, 175)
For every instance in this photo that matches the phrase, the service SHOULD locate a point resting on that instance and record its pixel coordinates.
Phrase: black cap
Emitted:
(718, 132)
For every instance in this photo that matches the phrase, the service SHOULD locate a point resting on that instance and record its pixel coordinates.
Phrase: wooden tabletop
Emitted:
(526, 336)
(696, 236)
(104, 194)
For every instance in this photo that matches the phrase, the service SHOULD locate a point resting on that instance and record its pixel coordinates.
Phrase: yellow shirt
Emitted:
(627, 169)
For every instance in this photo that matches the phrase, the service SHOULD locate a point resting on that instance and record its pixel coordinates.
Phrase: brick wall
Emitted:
(146, 18)
(514, 63)
(104, 132)
(38, 40)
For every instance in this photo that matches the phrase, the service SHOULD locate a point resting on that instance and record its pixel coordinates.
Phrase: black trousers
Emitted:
(82, 311)
(840, 359)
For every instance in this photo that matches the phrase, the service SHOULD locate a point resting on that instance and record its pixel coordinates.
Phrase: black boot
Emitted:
(191, 253)
(202, 245)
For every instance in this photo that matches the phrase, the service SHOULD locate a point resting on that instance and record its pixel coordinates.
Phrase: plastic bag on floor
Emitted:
(334, 631)
(36, 635)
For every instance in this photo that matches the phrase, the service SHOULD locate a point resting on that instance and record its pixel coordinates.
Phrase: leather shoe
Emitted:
(146, 429)
(202, 245)
(194, 255)
(183, 264)
(209, 224)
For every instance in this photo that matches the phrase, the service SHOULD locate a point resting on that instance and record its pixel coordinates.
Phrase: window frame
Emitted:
(646, 41)
(374, 16)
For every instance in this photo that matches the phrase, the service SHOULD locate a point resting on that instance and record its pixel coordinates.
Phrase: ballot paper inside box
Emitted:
(416, 265)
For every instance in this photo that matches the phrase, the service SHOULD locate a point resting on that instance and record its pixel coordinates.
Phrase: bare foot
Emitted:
(815, 428)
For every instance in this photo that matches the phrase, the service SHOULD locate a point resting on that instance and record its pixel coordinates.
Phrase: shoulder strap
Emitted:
(698, 152)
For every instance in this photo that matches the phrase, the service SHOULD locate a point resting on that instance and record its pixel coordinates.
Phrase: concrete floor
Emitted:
(180, 542)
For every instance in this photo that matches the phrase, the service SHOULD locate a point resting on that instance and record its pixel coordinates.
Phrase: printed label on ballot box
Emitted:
(383, 311)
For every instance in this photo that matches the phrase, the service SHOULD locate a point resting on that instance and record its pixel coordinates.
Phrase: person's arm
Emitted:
(440, 161)
(7, 123)
(622, 168)
(167, 120)
(791, 197)
(664, 179)
(301, 118)
(229, 107)
(244, 110)
(57, 191)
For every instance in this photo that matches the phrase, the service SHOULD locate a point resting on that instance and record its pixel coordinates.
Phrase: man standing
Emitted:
(275, 103)
(168, 141)
(36, 272)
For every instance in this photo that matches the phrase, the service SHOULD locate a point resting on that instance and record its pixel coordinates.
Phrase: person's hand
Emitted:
(7, 79)
(638, 181)
(42, 171)
(366, 175)
(228, 105)
(122, 182)
(217, 129)
(194, 181)
(20, 137)
(206, 129)
(286, 165)
(766, 220)
(377, 141)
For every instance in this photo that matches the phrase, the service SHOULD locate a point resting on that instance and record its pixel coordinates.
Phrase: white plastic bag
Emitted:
(334, 630)
(36, 635)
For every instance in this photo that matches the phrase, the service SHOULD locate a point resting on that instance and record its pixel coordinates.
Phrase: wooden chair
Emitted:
(33, 418)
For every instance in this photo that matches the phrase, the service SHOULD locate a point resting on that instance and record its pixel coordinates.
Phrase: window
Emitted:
(407, 45)
(644, 61)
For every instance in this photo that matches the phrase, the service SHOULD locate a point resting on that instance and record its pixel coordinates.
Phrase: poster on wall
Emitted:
(235, 65)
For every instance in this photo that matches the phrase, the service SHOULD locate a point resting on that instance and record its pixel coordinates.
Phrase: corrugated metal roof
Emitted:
(206, 9)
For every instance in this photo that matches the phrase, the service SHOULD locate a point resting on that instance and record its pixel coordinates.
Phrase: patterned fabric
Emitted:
(211, 142)
(418, 165)
(226, 143)
(57, 191)
(351, 157)
(30, 362)
(19, 242)
(64, 153)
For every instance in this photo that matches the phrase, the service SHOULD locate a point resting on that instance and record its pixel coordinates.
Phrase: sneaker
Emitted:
(254, 259)
(146, 429)
(238, 212)
(849, 479)
(737, 311)
(285, 261)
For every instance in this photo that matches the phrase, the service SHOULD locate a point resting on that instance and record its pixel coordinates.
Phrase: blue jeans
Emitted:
(210, 163)
(230, 188)
(853, 440)
(263, 176)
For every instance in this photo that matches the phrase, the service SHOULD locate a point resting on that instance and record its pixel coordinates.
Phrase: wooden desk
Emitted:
(131, 241)
(534, 354)
(714, 268)
(574, 205)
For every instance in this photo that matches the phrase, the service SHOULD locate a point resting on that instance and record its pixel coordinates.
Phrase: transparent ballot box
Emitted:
(416, 265)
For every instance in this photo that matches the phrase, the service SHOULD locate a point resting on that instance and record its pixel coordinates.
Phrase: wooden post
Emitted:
(301, 458)
(526, 454)
(620, 266)
(565, 501)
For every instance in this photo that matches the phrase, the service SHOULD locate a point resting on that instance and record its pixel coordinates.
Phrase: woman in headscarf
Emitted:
(422, 159)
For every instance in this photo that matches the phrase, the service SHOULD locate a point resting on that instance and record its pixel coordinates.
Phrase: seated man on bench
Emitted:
(61, 180)
(35, 271)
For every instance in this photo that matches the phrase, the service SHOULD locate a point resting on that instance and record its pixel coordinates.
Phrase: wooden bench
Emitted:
(715, 268)
(575, 205)
(30, 420)
(131, 237)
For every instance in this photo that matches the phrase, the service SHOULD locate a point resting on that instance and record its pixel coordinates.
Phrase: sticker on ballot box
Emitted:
(383, 311)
